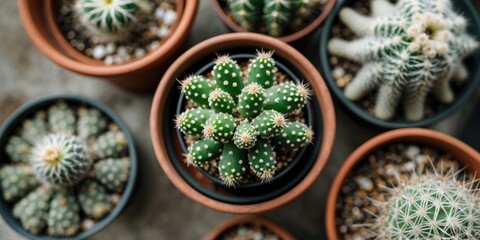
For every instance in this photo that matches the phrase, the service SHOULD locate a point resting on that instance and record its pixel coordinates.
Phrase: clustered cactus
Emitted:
(407, 50)
(240, 119)
(65, 166)
(430, 206)
(278, 17)
(110, 20)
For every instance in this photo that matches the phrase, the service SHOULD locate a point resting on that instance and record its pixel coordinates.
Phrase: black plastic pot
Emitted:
(470, 132)
(322, 62)
(253, 192)
(28, 110)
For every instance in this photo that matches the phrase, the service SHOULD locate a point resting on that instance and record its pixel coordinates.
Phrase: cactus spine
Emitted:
(235, 125)
(408, 50)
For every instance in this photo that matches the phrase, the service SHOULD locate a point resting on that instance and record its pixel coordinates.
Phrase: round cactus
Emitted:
(251, 100)
(247, 13)
(220, 127)
(60, 160)
(221, 101)
(32, 210)
(431, 206)
(63, 215)
(232, 164)
(408, 50)
(108, 16)
(277, 15)
(245, 135)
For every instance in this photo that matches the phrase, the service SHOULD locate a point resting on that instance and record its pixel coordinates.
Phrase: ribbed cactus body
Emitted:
(293, 135)
(17, 181)
(112, 173)
(227, 75)
(276, 16)
(221, 101)
(32, 210)
(251, 100)
(247, 13)
(110, 16)
(245, 135)
(94, 199)
(203, 151)
(60, 160)
(61, 119)
(408, 50)
(63, 215)
(18, 149)
(220, 127)
(262, 160)
(431, 207)
(232, 164)
(110, 144)
(287, 97)
(90, 124)
(191, 121)
(269, 123)
(197, 88)
(262, 70)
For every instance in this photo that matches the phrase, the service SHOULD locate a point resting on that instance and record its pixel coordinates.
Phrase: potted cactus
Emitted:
(406, 184)
(248, 227)
(243, 122)
(68, 168)
(291, 21)
(401, 64)
(239, 127)
(114, 39)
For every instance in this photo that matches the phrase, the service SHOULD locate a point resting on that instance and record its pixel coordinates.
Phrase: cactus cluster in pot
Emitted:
(430, 206)
(241, 118)
(65, 169)
(408, 50)
(110, 20)
(277, 17)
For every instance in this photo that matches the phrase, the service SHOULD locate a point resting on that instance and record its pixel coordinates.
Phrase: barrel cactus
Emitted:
(239, 117)
(64, 165)
(408, 50)
(109, 20)
(430, 206)
(278, 17)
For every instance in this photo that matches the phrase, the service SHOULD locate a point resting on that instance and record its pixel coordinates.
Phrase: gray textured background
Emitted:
(159, 211)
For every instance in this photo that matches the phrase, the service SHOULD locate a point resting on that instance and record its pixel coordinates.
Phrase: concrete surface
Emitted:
(158, 210)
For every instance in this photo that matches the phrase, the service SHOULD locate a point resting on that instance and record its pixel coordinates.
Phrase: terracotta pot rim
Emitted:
(51, 51)
(233, 40)
(232, 222)
(379, 141)
(288, 38)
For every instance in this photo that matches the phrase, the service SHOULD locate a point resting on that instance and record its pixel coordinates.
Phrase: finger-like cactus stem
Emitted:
(269, 123)
(112, 173)
(17, 181)
(232, 164)
(228, 76)
(287, 97)
(221, 101)
(294, 135)
(197, 88)
(90, 124)
(64, 215)
(251, 100)
(203, 151)
(61, 119)
(192, 121)
(32, 210)
(18, 149)
(262, 70)
(94, 199)
(262, 160)
(245, 135)
(220, 127)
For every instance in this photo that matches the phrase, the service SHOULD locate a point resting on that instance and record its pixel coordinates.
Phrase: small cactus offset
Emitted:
(18, 149)
(110, 144)
(63, 215)
(112, 173)
(32, 210)
(60, 160)
(17, 181)
(90, 123)
(408, 50)
(430, 206)
(61, 119)
(293, 135)
(34, 129)
(237, 129)
(94, 199)
(277, 17)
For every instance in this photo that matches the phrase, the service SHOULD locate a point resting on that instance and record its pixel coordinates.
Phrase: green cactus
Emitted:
(232, 164)
(237, 127)
(61, 119)
(34, 129)
(112, 173)
(110, 144)
(192, 121)
(269, 123)
(94, 199)
(430, 206)
(278, 17)
(221, 101)
(203, 151)
(293, 135)
(64, 215)
(17, 181)
(251, 100)
(32, 210)
(245, 135)
(90, 124)
(18, 149)
(220, 127)
(197, 88)
(60, 160)
(408, 50)
(287, 97)
(262, 160)
(227, 76)
(262, 70)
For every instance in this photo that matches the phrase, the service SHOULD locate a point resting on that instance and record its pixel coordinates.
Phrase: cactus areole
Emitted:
(240, 118)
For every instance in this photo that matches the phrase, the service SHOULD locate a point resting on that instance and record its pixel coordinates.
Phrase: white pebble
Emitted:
(139, 52)
(169, 17)
(409, 166)
(159, 12)
(364, 183)
(88, 223)
(122, 51)
(110, 48)
(420, 159)
(338, 72)
(109, 60)
(412, 151)
(358, 237)
(98, 52)
(163, 32)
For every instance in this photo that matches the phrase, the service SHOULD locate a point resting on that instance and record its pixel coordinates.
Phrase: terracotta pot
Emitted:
(466, 155)
(164, 137)
(297, 39)
(226, 225)
(139, 75)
